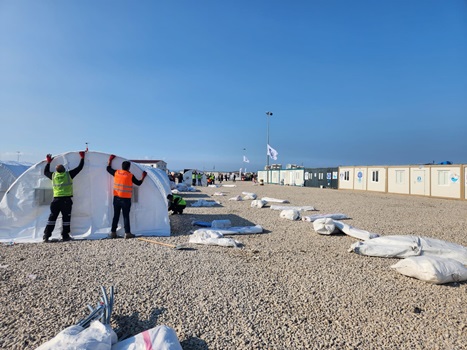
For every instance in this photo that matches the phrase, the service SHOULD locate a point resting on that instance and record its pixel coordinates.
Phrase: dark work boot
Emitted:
(66, 237)
(129, 235)
(45, 238)
(113, 235)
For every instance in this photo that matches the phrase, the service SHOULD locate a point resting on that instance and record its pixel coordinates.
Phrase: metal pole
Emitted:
(268, 114)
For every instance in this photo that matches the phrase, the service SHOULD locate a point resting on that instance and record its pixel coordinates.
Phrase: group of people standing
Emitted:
(62, 185)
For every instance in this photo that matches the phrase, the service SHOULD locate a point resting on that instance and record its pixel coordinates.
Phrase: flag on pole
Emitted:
(272, 153)
(245, 159)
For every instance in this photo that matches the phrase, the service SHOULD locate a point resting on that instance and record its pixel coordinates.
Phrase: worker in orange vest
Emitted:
(123, 189)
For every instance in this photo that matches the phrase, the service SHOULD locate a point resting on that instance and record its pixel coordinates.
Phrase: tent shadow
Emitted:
(129, 326)
(194, 343)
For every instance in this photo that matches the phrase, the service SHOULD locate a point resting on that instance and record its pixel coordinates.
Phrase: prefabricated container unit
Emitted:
(446, 181)
(399, 179)
(346, 178)
(376, 180)
(270, 176)
(442, 181)
(321, 177)
(292, 177)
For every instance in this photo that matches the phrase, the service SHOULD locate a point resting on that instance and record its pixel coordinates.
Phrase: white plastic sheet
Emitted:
(204, 203)
(336, 216)
(236, 198)
(249, 195)
(237, 230)
(212, 237)
(407, 246)
(432, 269)
(299, 208)
(158, 338)
(97, 337)
(258, 203)
(275, 200)
(291, 214)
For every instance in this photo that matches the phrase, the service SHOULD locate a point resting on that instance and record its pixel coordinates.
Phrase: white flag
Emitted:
(272, 153)
(245, 159)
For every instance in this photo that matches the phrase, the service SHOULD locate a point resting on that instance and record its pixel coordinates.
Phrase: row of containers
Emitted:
(441, 181)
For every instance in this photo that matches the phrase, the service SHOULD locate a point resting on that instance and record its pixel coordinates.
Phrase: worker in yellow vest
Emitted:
(123, 190)
(62, 184)
(176, 204)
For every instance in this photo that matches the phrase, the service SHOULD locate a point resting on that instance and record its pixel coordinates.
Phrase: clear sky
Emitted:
(189, 82)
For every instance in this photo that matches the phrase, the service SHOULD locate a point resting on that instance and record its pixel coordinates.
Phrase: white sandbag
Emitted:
(284, 207)
(406, 246)
(238, 230)
(432, 269)
(312, 218)
(97, 336)
(212, 237)
(290, 214)
(268, 199)
(218, 194)
(221, 224)
(258, 203)
(236, 198)
(160, 338)
(354, 232)
(204, 203)
(324, 226)
(249, 195)
(229, 185)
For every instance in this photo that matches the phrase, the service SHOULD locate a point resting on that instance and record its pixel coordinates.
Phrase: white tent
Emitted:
(188, 179)
(24, 209)
(9, 172)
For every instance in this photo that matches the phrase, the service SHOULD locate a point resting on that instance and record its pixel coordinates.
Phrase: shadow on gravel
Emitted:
(186, 195)
(179, 223)
(194, 344)
(129, 326)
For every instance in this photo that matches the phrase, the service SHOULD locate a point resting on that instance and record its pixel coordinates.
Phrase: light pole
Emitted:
(268, 114)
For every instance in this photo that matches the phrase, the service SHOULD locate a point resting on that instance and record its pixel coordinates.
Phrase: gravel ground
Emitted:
(288, 288)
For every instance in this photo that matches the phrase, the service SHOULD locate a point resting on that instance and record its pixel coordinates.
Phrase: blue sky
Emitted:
(189, 82)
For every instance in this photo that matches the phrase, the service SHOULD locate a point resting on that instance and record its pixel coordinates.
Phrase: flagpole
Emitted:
(268, 114)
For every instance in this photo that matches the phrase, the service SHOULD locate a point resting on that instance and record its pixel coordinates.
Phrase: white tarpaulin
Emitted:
(9, 172)
(285, 207)
(407, 246)
(101, 337)
(432, 269)
(24, 210)
(212, 237)
(312, 218)
(327, 226)
(237, 230)
(275, 200)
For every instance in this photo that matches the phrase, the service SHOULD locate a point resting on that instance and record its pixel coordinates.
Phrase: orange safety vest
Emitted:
(123, 184)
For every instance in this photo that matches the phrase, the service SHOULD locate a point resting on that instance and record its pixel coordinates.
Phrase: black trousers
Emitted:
(59, 205)
(121, 205)
(177, 208)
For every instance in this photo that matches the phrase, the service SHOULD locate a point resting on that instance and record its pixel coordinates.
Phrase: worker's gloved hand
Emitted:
(144, 175)
(49, 158)
(81, 154)
(112, 157)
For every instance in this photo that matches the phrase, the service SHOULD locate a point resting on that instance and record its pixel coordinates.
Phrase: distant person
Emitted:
(176, 204)
(123, 189)
(234, 177)
(171, 176)
(193, 178)
(62, 183)
(180, 178)
(199, 177)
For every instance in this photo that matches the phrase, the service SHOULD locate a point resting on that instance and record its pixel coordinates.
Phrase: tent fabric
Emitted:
(9, 172)
(24, 209)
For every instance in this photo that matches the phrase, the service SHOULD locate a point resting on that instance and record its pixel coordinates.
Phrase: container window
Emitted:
(400, 176)
(443, 177)
(375, 176)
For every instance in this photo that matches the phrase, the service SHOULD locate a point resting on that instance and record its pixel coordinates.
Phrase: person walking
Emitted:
(122, 190)
(62, 184)
(176, 204)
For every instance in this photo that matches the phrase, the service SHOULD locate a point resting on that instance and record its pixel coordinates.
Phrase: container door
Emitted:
(419, 183)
